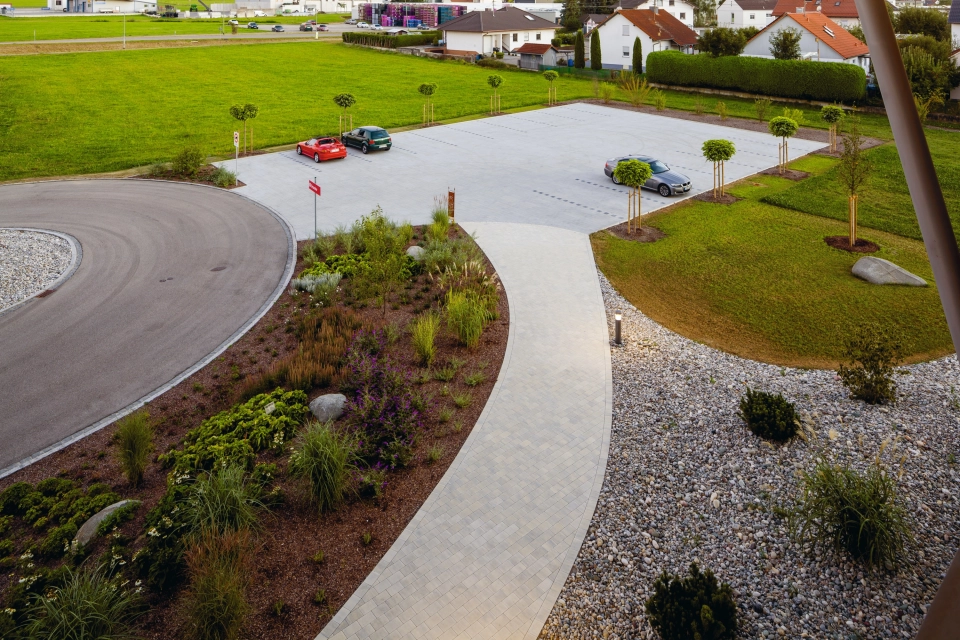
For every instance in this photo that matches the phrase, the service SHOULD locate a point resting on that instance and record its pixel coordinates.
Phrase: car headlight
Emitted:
(677, 186)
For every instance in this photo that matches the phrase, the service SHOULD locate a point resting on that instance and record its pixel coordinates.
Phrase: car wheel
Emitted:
(615, 179)
(364, 148)
(664, 190)
(299, 151)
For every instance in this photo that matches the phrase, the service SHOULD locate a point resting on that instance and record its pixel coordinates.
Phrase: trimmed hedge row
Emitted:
(390, 42)
(827, 81)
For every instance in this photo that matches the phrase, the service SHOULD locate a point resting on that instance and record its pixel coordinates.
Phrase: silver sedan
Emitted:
(664, 180)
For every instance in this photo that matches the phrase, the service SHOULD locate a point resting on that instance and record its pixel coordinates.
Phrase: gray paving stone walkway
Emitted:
(487, 554)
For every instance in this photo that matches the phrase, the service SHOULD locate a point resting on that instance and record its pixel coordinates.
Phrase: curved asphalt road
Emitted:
(144, 307)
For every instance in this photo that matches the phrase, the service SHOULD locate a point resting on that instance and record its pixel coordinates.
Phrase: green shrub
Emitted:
(466, 317)
(390, 42)
(852, 511)
(692, 607)
(57, 541)
(372, 481)
(223, 177)
(134, 444)
(219, 569)
(769, 415)
(492, 63)
(6, 548)
(88, 604)
(118, 517)
(826, 81)
(188, 162)
(873, 355)
(222, 501)
(423, 334)
(326, 459)
(12, 496)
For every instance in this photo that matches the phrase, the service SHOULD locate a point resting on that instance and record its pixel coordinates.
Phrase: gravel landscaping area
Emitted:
(686, 481)
(30, 261)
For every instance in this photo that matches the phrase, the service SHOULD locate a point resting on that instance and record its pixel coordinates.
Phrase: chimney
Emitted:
(655, 9)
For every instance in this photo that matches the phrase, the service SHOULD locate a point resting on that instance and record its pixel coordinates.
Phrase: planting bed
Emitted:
(285, 577)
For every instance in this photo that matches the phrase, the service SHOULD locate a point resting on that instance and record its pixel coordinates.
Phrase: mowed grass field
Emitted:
(97, 112)
(111, 26)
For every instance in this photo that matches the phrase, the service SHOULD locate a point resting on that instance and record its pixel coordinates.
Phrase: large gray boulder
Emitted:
(880, 271)
(415, 252)
(89, 528)
(328, 407)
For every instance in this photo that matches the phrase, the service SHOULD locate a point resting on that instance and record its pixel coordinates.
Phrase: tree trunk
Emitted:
(721, 179)
(853, 220)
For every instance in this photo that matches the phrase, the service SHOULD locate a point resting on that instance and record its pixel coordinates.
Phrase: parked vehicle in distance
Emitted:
(424, 27)
(278, 28)
(259, 14)
(322, 149)
(368, 139)
(234, 22)
(306, 26)
(322, 27)
(377, 27)
(363, 25)
(350, 21)
(252, 25)
(664, 181)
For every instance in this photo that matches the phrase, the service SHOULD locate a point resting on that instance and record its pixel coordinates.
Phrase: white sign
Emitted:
(236, 139)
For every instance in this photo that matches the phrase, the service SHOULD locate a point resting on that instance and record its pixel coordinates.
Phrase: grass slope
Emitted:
(885, 201)
(111, 26)
(98, 112)
(759, 281)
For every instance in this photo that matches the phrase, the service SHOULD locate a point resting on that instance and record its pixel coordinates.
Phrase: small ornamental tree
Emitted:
(785, 44)
(718, 152)
(637, 56)
(595, 61)
(783, 128)
(551, 77)
(244, 112)
(632, 173)
(345, 101)
(427, 89)
(853, 170)
(579, 53)
(832, 114)
(252, 112)
(495, 81)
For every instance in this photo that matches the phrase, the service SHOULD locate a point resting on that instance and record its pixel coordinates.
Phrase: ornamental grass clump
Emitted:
(769, 415)
(220, 573)
(853, 511)
(873, 354)
(325, 458)
(695, 606)
(134, 444)
(222, 501)
(466, 317)
(424, 334)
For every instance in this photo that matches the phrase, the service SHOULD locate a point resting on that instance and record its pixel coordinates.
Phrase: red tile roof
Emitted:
(538, 49)
(658, 25)
(829, 8)
(848, 46)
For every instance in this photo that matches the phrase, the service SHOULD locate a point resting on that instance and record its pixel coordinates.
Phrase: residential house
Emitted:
(503, 30)
(843, 12)
(954, 19)
(591, 20)
(658, 31)
(533, 55)
(679, 9)
(737, 14)
(821, 39)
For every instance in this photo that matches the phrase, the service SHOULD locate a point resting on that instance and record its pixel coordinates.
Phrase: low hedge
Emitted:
(370, 39)
(809, 80)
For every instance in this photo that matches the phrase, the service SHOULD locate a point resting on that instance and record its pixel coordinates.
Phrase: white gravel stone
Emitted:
(30, 261)
(686, 481)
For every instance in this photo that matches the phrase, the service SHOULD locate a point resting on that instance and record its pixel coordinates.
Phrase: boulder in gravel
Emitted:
(328, 407)
(89, 528)
(415, 252)
(880, 271)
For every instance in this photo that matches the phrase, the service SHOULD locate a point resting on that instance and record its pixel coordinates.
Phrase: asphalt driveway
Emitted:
(170, 274)
(538, 167)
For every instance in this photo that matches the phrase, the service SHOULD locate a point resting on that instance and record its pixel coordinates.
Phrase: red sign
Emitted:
(314, 187)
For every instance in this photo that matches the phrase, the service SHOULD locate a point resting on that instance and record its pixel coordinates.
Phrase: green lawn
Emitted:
(759, 281)
(98, 112)
(111, 26)
(885, 201)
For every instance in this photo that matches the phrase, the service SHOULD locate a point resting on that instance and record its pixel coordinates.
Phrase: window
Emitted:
(753, 16)
(626, 52)
(733, 18)
(538, 36)
(515, 37)
(683, 16)
(626, 29)
(526, 36)
(671, 2)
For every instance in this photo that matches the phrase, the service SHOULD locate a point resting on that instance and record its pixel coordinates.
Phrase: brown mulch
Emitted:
(707, 196)
(645, 233)
(284, 570)
(204, 176)
(843, 243)
(789, 174)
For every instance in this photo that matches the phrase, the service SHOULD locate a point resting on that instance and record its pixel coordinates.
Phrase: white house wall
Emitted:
(732, 15)
(485, 42)
(759, 46)
(679, 9)
(613, 40)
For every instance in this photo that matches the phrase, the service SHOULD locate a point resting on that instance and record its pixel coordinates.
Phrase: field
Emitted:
(758, 281)
(101, 112)
(111, 26)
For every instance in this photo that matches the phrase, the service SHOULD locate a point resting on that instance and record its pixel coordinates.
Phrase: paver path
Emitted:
(487, 554)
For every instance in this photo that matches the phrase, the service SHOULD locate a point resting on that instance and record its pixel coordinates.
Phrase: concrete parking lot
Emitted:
(539, 167)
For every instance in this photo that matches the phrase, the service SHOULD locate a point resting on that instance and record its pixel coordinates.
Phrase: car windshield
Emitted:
(326, 141)
(658, 167)
(312, 141)
(379, 134)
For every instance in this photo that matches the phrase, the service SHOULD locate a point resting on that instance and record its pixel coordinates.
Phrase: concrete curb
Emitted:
(76, 257)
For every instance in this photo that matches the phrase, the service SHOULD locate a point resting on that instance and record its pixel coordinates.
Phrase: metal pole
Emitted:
(938, 238)
(315, 212)
(124, 31)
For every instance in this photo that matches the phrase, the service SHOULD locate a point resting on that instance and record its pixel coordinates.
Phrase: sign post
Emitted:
(236, 166)
(316, 194)
(450, 198)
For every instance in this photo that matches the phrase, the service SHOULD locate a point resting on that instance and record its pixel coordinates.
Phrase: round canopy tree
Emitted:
(427, 89)
(832, 114)
(244, 112)
(718, 152)
(495, 81)
(551, 77)
(345, 101)
(853, 170)
(783, 128)
(633, 174)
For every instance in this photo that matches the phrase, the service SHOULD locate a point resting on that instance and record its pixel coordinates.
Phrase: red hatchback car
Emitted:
(322, 149)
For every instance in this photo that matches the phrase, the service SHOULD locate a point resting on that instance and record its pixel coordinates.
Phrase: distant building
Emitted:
(679, 9)
(843, 12)
(101, 6)
(954, 19)
(502, 30)
(821, 39)
(658, 31)
(737, 14)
